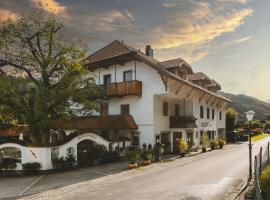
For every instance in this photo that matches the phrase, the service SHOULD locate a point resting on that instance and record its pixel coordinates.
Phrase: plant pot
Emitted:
(147, 162)
(182, 154)
(132, 165)
(204, 149)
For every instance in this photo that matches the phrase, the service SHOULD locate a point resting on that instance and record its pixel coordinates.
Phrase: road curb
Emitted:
(242, 189)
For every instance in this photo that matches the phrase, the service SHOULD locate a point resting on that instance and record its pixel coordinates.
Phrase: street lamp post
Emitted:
(250, 114)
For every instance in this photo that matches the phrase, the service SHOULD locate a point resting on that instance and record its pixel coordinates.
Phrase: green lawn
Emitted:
(259, 137)
(265, 182)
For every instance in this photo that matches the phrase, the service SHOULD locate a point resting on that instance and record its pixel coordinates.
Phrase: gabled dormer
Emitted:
(178, 67)
(213, 86)
(200, 79)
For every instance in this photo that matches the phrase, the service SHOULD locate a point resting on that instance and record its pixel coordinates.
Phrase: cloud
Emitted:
(50, 6)
(181, 30)
(7, 14)
(108, 21)
(236, 1)
(237, 41)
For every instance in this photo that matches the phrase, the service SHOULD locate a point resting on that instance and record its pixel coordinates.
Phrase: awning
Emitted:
(98, 122)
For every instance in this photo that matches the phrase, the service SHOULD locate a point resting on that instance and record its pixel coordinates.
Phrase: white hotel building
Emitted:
(145, 101)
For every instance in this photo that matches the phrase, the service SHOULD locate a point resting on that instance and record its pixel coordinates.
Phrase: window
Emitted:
(201, 112)
(125, 109)
(208, 113)
(176, 110)
(135, 139)
(127, 76)
(70, 151)
(106, 79)
(104, 109)
(165, 108)
(220, 115)
(213, 114)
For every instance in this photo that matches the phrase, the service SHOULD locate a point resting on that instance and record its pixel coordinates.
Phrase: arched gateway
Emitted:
(84, 150)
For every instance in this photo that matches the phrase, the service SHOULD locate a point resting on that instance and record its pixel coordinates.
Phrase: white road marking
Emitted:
(32, 184)
(94, 172)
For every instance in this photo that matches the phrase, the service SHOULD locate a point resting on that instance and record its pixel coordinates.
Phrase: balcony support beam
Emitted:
(188, 95)
(201, 97)
(179, 88)
(213, 102)
(208, 99)
(165, 81)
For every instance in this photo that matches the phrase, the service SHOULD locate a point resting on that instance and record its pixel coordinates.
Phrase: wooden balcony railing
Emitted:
(123, 89)
(182, 122)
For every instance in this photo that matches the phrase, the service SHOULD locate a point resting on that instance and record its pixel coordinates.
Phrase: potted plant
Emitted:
(204, 142)
(183, 147)
(213, 144)
(133, 157)
(158, 151)
(147, 155)
(221, 143)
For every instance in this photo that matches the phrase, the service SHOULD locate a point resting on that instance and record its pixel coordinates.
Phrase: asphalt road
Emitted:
(214, 175)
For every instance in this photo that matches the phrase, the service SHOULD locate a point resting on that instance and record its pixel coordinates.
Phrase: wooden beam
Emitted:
(179, 88)
(218, 102)
(190, 92)
(201, 97)
(213, 102)
(165, 81)
(208, 99)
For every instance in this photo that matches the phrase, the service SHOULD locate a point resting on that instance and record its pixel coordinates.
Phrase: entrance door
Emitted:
(176, 137)
(85, 148)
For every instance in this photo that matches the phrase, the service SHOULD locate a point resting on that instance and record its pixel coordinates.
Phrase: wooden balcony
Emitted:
(182, 122)
(122, 89)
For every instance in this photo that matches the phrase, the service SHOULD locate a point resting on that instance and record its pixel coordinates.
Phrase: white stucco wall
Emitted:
(43, 154)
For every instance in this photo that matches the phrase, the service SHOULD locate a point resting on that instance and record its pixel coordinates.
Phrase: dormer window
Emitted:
(127, 75)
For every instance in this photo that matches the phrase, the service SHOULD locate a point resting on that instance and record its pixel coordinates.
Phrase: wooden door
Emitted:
(84, 150)
(176, 137)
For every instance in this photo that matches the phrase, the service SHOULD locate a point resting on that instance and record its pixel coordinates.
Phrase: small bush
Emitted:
(64, 163)
(221, 143)
(183, 146)
(133, 156)
(31, 168)
(204, 141)
(213, 144)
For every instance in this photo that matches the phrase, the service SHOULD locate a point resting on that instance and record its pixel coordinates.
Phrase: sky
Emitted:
(226, 39)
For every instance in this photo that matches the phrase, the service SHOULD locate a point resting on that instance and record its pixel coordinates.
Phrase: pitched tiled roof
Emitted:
(172, 63)
(198, 76)
(214, 84)
(117, 49)
(98, 122)
(114, 49)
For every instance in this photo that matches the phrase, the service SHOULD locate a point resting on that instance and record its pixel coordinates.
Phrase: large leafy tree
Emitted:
(45, 80)
(231, 119)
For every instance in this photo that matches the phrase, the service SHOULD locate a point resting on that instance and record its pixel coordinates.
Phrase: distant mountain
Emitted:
(242, 103)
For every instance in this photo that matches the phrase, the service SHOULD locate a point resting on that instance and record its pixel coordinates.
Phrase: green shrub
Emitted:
(64, 163)
(183, 146)
(213, 144)
(31, 168)
(9, 163)
(133, 155)
(221, 143)
(204, 141)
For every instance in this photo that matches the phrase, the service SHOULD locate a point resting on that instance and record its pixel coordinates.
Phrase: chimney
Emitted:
(149, 51)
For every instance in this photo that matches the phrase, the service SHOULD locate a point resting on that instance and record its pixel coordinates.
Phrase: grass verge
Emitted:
(259, 137)
(265, 182)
